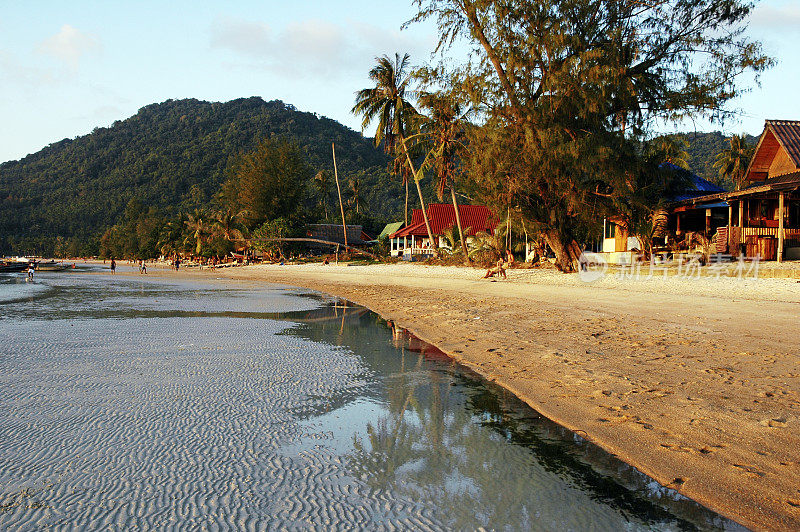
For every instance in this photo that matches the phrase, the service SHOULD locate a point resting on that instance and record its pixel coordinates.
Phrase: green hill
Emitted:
(703, 149)
(170, 156)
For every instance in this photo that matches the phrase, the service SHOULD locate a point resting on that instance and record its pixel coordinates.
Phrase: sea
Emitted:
(137, 402)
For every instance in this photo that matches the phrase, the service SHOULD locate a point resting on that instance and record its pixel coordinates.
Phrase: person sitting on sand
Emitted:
(499, 269)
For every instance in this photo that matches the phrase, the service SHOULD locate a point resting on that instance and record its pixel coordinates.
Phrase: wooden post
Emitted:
(678, 223)
(781, 202)
(339, 190)
(708, 223)
(730, 223)
(741, 214)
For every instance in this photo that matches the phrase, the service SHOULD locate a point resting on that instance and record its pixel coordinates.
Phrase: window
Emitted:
(611, 230)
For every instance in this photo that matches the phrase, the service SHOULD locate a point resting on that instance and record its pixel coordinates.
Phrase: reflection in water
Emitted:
(481, 455)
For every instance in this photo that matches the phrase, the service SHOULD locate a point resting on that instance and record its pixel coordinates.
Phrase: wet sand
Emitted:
(694, 382)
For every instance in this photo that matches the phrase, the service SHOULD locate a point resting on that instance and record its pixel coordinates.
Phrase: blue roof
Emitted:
(697, 185)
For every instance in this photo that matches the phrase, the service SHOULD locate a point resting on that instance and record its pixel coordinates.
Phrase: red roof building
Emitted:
(414, 237)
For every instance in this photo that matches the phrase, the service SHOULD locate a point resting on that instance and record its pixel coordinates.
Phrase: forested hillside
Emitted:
(703, 149)
(171, 157)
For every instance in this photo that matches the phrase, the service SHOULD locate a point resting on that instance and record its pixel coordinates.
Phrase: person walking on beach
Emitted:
(177, 263)
(31, 268)
(113, 265)
(142, 267)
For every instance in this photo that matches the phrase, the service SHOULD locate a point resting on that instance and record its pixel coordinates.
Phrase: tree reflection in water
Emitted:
(474, 453)
(432, 445)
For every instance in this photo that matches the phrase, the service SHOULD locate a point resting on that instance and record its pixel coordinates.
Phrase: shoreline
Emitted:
(693, 383)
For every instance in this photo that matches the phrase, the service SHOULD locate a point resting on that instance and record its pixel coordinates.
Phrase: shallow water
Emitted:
(139, 403)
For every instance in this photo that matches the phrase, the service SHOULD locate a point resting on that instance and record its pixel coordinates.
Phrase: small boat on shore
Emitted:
(53, 266)
(11, 266)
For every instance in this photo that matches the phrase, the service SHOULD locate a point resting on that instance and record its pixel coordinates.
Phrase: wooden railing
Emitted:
(766, 231)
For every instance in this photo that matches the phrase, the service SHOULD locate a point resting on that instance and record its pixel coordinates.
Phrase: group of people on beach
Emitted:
(499, 269)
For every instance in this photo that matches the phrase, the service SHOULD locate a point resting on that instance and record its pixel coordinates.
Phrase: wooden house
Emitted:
(335, 233)
(764, 216)
(694, 209)
(413, 239)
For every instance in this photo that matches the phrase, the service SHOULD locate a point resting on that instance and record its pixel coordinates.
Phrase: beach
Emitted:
(695, 382)
(193, 402)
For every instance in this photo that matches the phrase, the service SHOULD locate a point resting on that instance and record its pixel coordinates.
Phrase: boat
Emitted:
(10, 266)
(53, 266)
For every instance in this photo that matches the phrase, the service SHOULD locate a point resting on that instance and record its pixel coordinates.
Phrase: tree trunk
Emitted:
(460, 229)
(406, 211)
(421, 199)
(339, 191)
(565, 248)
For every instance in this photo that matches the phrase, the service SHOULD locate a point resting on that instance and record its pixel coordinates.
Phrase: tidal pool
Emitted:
(140, 403)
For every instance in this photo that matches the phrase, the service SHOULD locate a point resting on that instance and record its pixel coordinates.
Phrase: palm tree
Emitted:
(197, 228)
(444, 131)
(672, 150)
(387, 103)
(732, 162)
(229, 224)
(355, 191)
(170, 235)
(322, 181)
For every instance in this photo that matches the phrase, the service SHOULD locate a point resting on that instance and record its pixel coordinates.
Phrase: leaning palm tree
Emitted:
(732, 162)
(388, 104)
(443, 129)
(229, 224)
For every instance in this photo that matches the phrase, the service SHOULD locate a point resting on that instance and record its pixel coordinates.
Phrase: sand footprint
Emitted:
(778, 422)
(750, 470)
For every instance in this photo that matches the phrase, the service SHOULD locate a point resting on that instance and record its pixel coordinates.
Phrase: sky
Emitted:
(68, 67)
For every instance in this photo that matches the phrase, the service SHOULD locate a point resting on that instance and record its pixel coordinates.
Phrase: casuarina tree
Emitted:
(570, 88)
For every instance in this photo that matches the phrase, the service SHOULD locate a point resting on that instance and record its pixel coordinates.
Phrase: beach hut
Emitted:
(413, 239)
(334, 233)
(764, 215)
(696, 209)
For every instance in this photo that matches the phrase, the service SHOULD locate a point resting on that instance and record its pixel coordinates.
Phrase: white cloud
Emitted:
(776, 17)
(249, 38)
(312, 48)
(22, 73)
(69, 45)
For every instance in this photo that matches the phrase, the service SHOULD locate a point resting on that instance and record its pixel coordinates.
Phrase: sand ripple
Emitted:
(105, 425)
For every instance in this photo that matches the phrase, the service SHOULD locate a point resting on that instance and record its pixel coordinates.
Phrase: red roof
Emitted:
(442, 216)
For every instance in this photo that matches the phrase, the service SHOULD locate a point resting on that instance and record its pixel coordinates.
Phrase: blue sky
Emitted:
(68, 67)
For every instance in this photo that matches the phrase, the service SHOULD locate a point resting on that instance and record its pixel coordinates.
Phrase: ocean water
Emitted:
(135, 403)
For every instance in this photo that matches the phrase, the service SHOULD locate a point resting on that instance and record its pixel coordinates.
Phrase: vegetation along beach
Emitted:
(440, 265)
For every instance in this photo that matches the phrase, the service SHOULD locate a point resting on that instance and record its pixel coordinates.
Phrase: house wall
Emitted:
(781, 164)
(621, 239)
